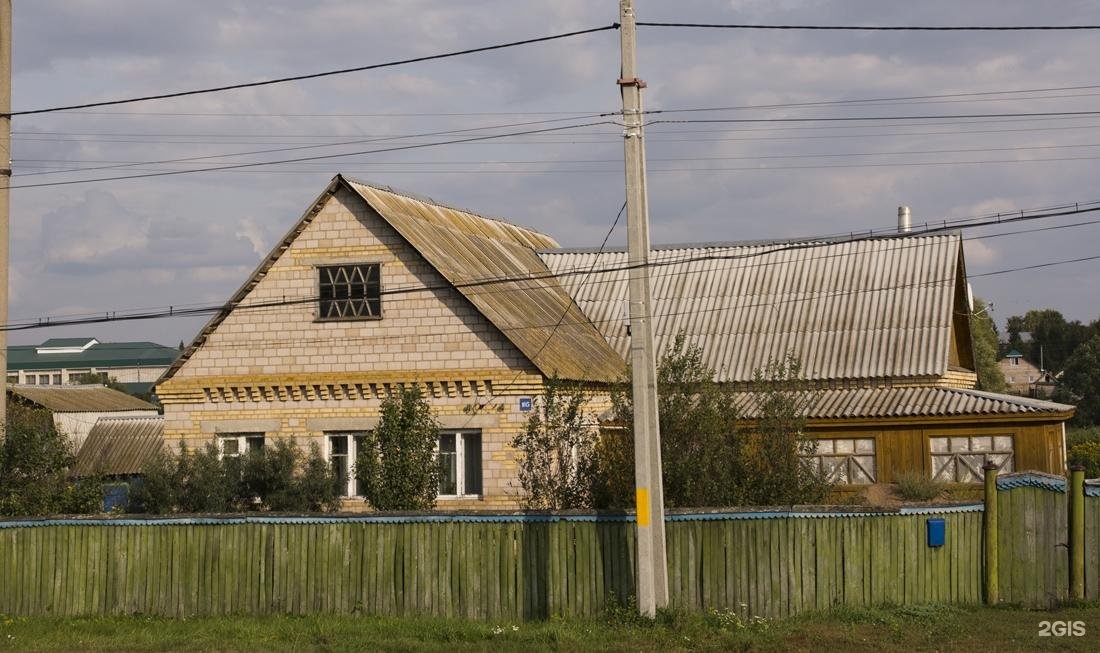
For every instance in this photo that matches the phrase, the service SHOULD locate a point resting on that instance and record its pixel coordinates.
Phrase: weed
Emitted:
(915, 486)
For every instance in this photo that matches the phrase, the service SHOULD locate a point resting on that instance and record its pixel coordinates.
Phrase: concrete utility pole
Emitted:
(652, 569)
(5, 181)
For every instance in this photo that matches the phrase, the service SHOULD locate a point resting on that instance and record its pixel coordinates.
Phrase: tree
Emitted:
(397, 465)
(102, 378)
(990, 377)
(1053, 339)
(773, 454)
(556, 450)
(34, 462)
(1081, 381)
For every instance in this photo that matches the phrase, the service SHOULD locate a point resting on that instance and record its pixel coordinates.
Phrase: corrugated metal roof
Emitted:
(908, 402)
(101, 355)
(847, 310)
(466, 247)
(119, 446)
(79, 398)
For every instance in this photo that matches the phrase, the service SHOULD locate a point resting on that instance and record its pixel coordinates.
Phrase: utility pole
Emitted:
(652, 570)
(5, 199)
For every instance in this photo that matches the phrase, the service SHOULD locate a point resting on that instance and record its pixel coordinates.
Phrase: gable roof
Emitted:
(119, 446)
(99, 355)
(848, 310)
(529, 307)
(79, 398)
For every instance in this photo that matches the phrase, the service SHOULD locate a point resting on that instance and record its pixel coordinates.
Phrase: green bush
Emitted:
(34, 462)
(915, 486)
(1087, 454)
(397, 464)
(276, 477)
(1075, 435)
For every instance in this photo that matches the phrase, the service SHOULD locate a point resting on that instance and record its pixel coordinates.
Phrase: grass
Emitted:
(912, 628)
(915, 486)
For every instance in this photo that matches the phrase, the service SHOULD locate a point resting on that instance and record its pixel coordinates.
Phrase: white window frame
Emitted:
(460, 463)
(954, 453)
(827, 448)
(351, 488)
(243, 443)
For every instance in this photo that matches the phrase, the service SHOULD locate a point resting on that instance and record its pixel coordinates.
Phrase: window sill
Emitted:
(458, 497)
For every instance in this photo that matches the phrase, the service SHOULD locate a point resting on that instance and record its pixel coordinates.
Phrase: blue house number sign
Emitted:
(525, 403)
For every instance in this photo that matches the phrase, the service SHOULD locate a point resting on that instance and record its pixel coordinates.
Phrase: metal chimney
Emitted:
(905, 221)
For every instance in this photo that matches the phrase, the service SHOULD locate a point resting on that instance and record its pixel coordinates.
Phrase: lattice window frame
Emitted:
(958, 462)
(349, 292)
(841, 461)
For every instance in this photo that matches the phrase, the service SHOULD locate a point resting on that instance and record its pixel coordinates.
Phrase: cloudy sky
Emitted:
(192, 238)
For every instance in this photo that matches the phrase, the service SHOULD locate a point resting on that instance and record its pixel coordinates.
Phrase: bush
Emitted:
(915, 486)
(34, 462)
(276, 477)
(397, 464)
(1075, 435)
(1087, 454)
(556, 450)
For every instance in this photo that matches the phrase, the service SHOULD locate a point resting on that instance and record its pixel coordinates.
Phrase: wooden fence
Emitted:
(515, 567)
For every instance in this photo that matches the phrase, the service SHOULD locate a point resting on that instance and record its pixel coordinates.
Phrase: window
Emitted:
(55, 378)
(459, 463)
(343, 450)
(231, 445)
(960, 459)
(1015, 361)
(845, 460)
(13, 378)
(350, 292)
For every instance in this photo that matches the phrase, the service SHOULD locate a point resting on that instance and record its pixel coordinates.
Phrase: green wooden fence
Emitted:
(515, 567)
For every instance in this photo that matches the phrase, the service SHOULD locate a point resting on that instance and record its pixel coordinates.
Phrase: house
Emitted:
(77, 408)
(58, 361)
(1021, 375)
(373, 289)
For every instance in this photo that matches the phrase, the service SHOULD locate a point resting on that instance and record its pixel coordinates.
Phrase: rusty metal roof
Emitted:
(537, 315)
(79, 398)
(119, 446)
(910, 402)
(465, 247)
(848, 310)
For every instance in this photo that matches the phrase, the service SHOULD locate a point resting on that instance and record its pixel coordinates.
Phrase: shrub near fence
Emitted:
(769, 564)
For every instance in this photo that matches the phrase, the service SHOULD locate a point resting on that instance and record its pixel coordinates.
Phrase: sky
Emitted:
(181, 240)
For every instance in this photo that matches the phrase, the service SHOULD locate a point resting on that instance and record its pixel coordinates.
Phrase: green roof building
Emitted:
(62, 361)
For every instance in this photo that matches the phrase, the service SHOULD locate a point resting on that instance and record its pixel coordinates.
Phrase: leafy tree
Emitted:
(772, 456)
(990, 377)
(34, 462)
(102, 378)
(318, 487)
(204, 484)
(708, 458)
(1081, 382)
(158, 492)
(556, 450)
(397, 465)
(698, 422)
(1053, 338)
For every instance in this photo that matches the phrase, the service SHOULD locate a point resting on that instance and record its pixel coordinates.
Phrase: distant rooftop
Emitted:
(57, 353)
(79, 398)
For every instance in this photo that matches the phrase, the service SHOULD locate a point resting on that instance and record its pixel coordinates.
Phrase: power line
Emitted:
(879, 28)
(659, 263)
(1037, 114)
(328, 73)
(310, 158)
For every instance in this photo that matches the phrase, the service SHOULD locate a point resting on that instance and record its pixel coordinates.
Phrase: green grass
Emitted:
(911, 628)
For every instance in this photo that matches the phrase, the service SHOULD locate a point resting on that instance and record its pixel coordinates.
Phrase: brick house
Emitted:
(373, 289)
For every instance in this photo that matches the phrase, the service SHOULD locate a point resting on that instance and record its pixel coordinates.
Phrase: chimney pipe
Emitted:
(905, 222)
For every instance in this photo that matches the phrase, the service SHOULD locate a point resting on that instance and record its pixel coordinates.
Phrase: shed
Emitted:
(120, 446)
(76, 408)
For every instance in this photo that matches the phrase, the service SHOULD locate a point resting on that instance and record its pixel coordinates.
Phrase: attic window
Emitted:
(350, 292)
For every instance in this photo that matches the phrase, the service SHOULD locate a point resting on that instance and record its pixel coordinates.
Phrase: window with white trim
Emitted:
(343, 451)
(350, 292)
(959, 459)
(845, 461)
(459, 463)
(231, 445)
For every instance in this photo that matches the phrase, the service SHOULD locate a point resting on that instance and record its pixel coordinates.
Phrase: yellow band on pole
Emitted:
(643, 506)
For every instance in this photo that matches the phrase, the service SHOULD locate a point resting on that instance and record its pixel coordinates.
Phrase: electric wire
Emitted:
(328, 73)
(660, 263)
(878, 28)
